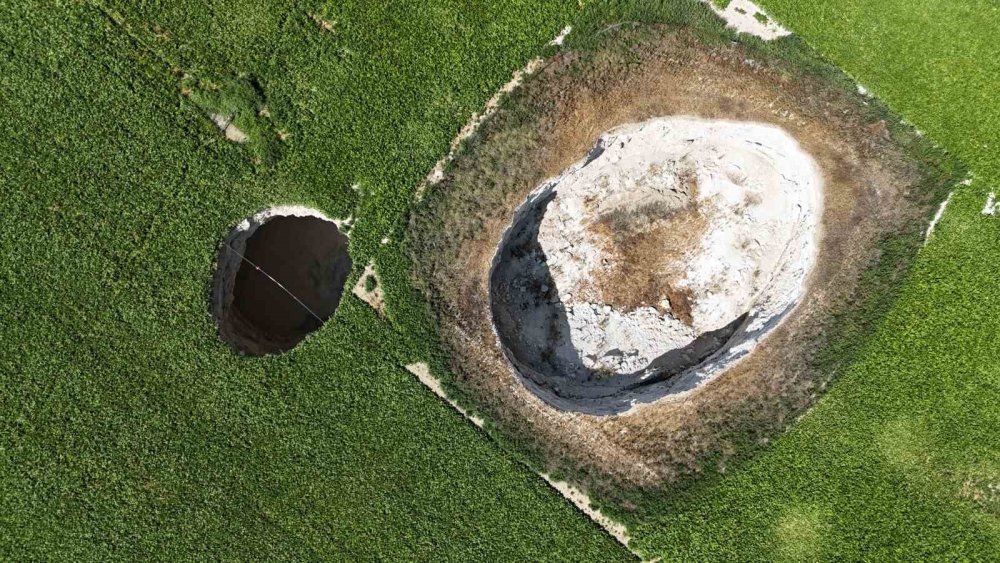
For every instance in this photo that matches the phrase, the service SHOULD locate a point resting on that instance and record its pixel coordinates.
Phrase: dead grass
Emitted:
(681, 301)
(646, 250)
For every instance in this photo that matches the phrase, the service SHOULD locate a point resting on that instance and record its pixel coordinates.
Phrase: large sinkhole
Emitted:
(280, 275)
(651, 265)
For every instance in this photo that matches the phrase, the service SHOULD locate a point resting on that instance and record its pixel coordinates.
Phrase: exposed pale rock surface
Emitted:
(674, 235)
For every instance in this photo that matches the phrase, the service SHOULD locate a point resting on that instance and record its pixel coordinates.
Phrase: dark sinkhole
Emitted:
(289, 278)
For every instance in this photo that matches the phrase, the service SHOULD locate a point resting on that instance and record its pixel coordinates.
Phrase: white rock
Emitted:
(992, 207)
(761, 194)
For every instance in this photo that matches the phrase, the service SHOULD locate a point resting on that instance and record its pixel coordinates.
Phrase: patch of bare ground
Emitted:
(231, 132)
(369, 289)
(871, 194)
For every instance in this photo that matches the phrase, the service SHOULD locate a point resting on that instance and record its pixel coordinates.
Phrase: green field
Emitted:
(128, 430)
(901, 458)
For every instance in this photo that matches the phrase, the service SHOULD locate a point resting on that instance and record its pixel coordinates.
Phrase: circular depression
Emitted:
(279, 276)
(657, 261)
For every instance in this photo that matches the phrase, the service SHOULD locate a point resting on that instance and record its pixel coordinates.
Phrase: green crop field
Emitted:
(901, 458)
(129, 430)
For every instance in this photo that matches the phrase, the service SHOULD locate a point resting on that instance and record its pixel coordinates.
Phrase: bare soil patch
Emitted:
(721, 215)
(369, 289)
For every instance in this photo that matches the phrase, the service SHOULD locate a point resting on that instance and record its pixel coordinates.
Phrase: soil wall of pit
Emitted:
(876, 190)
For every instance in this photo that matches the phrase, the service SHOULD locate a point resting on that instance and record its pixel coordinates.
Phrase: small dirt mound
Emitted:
(280, 276)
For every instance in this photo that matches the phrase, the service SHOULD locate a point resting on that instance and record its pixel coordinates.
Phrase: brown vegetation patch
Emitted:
(681, 301)
(646, 249)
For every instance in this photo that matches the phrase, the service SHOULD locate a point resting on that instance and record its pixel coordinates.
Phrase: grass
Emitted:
(896, 461)
(901, 458)
(127, 430)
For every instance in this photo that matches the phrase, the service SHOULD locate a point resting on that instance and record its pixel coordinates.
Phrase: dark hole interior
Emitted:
(306, 255)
